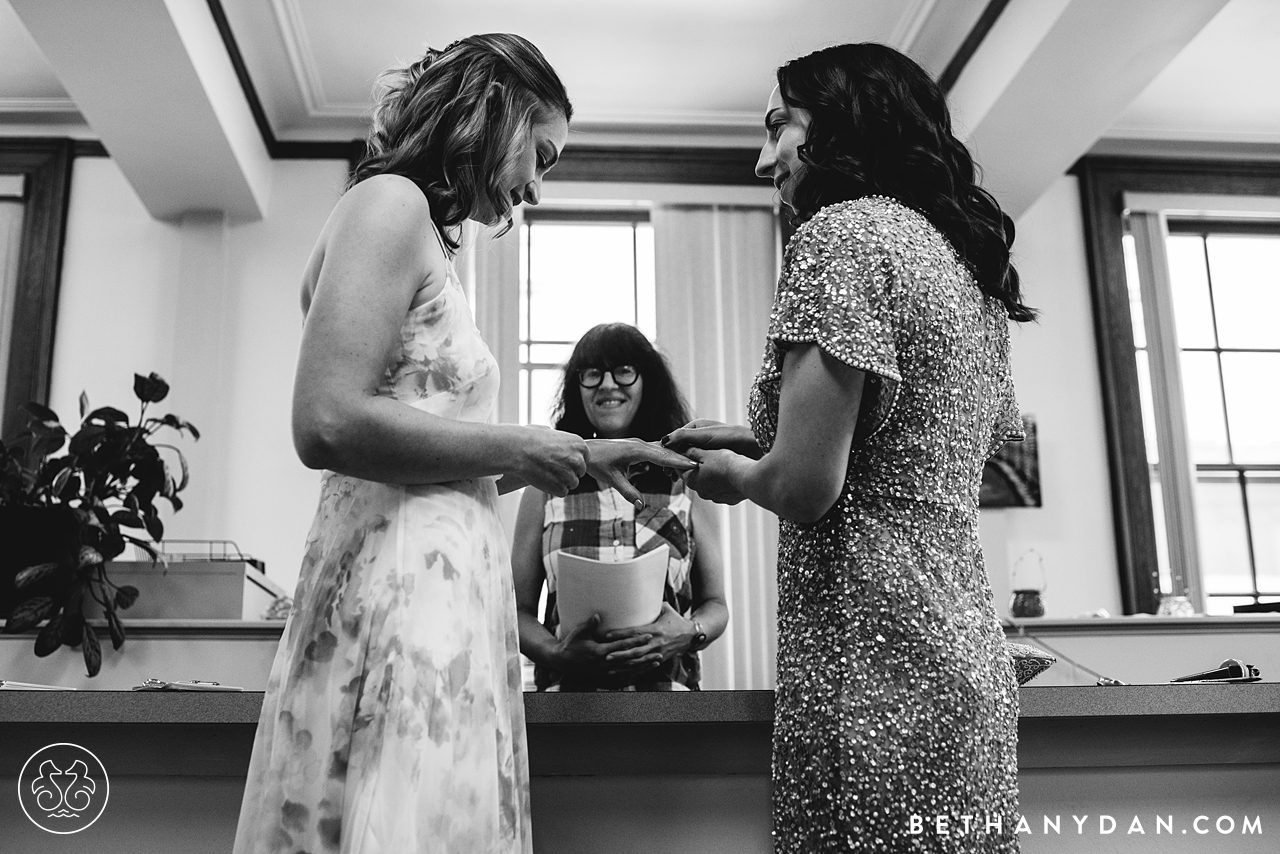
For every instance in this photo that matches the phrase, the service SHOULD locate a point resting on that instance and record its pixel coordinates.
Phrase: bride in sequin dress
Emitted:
(885, 385)
(393, 719)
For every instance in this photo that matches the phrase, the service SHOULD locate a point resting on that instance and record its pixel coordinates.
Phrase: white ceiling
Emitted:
(664, 72)
(691, 70)
(1224, 86)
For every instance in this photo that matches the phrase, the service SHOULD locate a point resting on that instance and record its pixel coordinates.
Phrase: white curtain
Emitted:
(716, 270)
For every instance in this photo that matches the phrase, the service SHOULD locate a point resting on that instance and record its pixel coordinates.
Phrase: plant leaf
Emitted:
(50, 637)
(108, 415)
(89, 556)
(114, 627)
(87, 439)
(40, 411)
(155, 528)
(28, 614)
(127, 518)
(32, 574)
(92, 651)
(60, 479)
(126, 595)
(46, 443)
(72, 624)
(84, 404)
(151, 388)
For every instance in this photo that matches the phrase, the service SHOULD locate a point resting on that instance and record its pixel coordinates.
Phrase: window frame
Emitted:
(1104, 181)
(632, 215)
(46, 163)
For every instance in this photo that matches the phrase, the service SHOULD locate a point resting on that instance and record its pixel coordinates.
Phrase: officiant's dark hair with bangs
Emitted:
(880, 126)
(453, 121)
(662, 407)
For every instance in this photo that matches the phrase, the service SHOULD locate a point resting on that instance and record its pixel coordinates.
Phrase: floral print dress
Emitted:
(393, 719)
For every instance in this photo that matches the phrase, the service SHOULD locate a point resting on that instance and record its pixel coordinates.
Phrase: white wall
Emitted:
(213, 306)
(1055, 370)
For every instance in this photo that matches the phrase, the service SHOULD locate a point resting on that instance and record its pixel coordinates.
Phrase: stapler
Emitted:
(1231, 670)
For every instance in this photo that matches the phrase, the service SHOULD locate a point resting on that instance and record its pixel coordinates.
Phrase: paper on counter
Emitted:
(624, 593)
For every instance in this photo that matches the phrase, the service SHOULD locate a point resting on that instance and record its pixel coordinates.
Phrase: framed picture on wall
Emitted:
(1011, 478)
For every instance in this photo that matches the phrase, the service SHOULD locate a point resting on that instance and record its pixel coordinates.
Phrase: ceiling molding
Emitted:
(19, 104)
(306, 72)
(1176, 134)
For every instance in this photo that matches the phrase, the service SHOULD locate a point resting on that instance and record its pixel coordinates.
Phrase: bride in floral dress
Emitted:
(393, 719)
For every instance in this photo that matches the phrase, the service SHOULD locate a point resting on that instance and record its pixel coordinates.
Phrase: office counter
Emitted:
(688, 772)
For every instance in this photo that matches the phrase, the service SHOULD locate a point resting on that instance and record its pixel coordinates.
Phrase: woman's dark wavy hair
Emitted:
(453, 121)
(662, 407)
(880, 126)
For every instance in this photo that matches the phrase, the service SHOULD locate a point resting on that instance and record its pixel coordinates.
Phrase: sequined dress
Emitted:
(393, 719)
(896, 699)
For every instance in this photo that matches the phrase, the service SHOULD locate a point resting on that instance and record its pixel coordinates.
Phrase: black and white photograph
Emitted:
(639, 426)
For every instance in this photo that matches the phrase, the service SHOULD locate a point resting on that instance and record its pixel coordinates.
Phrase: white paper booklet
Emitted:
(624, 593)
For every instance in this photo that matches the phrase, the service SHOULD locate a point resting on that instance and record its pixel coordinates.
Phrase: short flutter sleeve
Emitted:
(837, 291)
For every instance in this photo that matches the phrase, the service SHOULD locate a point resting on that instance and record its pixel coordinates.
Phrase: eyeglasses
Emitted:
(623, 375)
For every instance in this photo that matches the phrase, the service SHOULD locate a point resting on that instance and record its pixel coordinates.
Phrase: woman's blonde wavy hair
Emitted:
(453, 121)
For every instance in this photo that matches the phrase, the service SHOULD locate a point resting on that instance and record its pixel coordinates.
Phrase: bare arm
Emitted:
(802, 475)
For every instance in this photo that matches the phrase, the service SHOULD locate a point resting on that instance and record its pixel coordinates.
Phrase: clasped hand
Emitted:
(555, 461)
(717, 448)
(625, 651)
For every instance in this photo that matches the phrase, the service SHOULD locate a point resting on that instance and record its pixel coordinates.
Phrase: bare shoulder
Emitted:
(385, 202)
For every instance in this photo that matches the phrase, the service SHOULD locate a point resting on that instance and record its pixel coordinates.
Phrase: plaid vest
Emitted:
(597, 522)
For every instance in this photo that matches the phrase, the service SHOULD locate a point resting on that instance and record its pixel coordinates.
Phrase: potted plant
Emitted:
(63, 517)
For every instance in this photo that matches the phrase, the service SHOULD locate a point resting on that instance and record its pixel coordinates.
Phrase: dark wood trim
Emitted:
(971, 43)
(1200, 226)
(88, 148)
(232, 48)
(47, 165)
(589, 215)
(276, 149)
(1103, 181)
(658, 165)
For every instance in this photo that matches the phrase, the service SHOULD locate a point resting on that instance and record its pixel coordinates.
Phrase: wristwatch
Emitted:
(700, 641)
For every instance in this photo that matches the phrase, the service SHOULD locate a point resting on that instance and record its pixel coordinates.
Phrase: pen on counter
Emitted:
(30, 686)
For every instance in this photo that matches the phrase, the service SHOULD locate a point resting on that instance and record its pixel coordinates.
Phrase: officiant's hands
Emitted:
(668, 636)
(586, 651)
(609, 461)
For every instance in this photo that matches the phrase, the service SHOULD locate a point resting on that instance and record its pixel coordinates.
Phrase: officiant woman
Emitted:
(616, 386)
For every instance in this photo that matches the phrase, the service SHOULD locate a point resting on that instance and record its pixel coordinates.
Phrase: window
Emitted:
(1224, 288)
(578, 268)
(1185, 263)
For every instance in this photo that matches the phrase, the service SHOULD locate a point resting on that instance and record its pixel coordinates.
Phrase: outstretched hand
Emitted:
(713, 435)
(608, 461)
